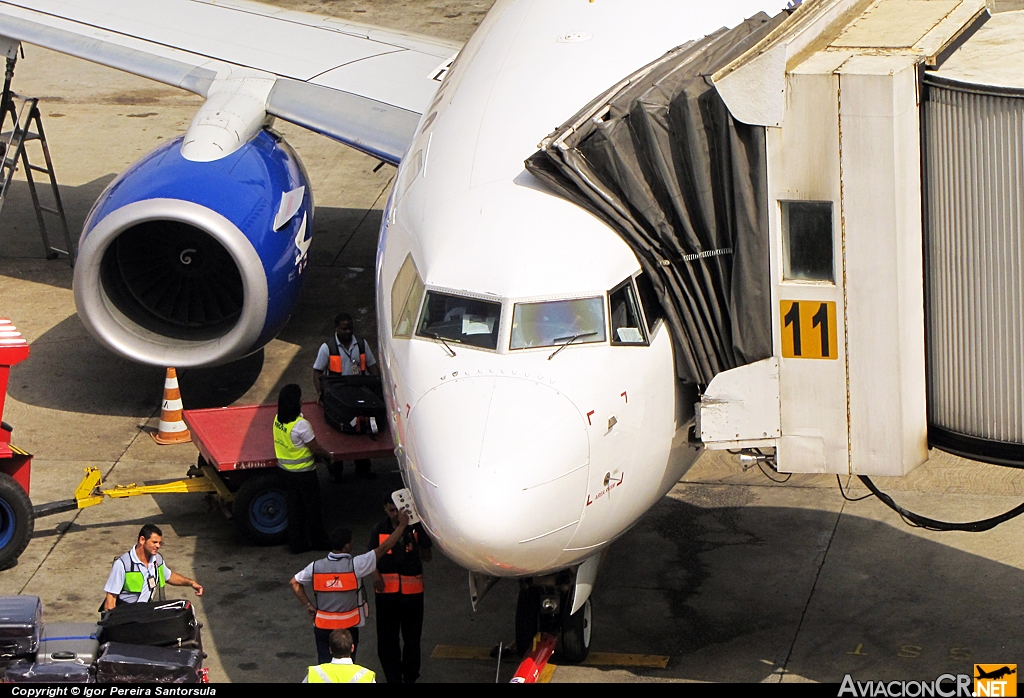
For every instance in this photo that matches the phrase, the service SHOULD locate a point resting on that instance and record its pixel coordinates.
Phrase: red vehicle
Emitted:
(236, 451)
(16, 519)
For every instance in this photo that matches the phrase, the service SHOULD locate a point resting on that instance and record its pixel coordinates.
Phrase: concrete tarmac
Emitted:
(732, 577)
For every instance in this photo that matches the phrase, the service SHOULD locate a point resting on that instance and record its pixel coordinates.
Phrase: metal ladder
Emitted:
(21, 115)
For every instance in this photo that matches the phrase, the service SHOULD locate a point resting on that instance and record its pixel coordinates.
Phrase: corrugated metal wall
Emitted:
(973, 153)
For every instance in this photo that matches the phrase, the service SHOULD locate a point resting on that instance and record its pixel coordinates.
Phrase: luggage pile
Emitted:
(155, 642)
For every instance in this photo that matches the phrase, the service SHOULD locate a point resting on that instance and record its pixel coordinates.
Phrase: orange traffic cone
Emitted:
(172, 427)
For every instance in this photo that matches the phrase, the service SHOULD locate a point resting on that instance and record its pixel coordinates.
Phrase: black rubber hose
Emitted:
(932, 524)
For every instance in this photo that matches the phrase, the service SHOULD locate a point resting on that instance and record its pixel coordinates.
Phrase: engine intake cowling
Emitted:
(185, 263)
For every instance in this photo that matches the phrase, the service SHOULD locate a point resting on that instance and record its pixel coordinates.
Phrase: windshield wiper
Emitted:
(571, 340)
(439, 338)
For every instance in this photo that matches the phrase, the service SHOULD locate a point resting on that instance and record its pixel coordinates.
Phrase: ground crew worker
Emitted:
(398, 583)
(141, 573)
(337, 582)
(344, 354)
(341, 668)
(295, 446)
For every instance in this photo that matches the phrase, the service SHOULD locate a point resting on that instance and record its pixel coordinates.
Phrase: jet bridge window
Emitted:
(807, 241)
(406, 296)
(551, 323)
(627, 327)
(459, 319)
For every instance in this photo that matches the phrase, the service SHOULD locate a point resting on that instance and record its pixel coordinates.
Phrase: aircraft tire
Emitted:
(576, 629)
(527, 619)
(17, 522)
(260, 510)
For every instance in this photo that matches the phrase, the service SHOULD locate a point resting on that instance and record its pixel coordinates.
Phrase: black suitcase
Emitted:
(159, 623)
(122, 663)
(374, 383)
(49, 672)
(352, 408)
(21, 619)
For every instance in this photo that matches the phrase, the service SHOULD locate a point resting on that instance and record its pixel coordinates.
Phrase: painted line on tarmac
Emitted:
(546, 673)
(461, 652)
(649, 661)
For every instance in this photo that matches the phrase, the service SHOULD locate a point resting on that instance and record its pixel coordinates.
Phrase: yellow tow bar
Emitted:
(89, 493)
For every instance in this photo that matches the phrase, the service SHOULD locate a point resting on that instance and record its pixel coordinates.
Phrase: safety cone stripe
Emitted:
(172, 428)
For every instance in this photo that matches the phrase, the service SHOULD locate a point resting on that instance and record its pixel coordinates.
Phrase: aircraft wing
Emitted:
(358, 84)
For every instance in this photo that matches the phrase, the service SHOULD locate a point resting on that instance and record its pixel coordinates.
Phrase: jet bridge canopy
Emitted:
(663, 162)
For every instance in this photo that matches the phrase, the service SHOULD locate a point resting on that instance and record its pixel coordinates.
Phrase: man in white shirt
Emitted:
(139, 575)
(341, 668)
(337, 582)
(344, 354)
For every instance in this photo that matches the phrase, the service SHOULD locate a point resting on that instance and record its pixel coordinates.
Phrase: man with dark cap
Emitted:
(398, 583)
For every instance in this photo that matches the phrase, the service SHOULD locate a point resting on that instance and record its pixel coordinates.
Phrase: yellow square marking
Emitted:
(808, 329)
(546, 673)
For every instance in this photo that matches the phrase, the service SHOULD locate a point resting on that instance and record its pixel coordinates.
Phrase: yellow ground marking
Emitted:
(546, 673)
(649, 661)
(461, 652)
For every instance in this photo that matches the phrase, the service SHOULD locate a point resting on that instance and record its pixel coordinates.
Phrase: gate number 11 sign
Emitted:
(809, 330)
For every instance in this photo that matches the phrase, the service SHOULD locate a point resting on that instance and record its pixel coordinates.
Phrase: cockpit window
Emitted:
(406, 296)
(627, 327)
(459, 319)
(551, 323)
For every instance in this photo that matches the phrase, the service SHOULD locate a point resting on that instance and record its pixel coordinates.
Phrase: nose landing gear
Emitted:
(544, 606)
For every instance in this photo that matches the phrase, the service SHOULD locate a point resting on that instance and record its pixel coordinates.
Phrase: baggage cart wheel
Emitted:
(260, 510)
(16, 521)
(575, 644)
(335, 470)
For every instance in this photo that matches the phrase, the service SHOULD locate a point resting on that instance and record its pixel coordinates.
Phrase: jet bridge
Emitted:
(830, 201)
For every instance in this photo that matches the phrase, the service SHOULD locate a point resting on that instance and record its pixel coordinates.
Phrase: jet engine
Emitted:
(188, 263)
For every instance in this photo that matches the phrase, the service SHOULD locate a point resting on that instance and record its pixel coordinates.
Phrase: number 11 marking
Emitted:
(809, 330)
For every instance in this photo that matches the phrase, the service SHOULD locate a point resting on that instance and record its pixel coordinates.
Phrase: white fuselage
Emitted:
(524, 462)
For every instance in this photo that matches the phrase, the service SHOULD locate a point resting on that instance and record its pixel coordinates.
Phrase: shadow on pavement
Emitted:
(722, 590)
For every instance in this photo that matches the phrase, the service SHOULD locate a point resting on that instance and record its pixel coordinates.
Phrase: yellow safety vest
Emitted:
(292, 458)
(339, 673)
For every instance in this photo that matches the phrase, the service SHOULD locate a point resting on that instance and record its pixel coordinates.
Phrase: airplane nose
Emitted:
(502, 465)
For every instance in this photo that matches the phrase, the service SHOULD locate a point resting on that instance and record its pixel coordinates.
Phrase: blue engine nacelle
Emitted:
(186, 263)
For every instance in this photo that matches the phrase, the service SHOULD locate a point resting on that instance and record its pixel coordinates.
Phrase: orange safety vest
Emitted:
(334, 359)
(404, 583)
(338, 594)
